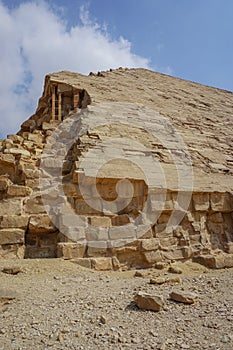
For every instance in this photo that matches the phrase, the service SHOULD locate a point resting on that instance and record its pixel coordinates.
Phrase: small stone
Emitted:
(149, 301)
(139, 274)
(12, 270)
(160, 265)
(175, 269)
(159, 280)
(183, 297)
(60, 338)
(103, 319)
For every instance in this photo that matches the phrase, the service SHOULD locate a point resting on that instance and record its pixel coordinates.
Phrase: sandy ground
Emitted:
(59, 305)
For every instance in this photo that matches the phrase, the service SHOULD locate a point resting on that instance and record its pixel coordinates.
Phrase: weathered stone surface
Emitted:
(183, 297)
(11, 236)
(18, 191)
(201, 201)
(128, 231)
(119, 226)
(215, 261)
(41, 224)
(221, 202)
(150, 244)
(149, 301)
(71, 250)
(100, 221)
(14, 221)
(101, 264)
(8, 206)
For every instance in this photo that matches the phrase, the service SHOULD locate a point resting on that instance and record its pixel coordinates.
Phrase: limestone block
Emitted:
(152, 257)
(72, 227)
(100, 221)
(101, 264)
(18, 191)
(221, 202)
(11, 221)
(150, 244)
(164, 218)
(11, 236)
(215, 261)
(97, 249)
(71, 250)
(12, 251)
(10, 206)
(96, 234)
(15, 138)
(36, 138)
(41, 224)
(216, 228)
(122, 232)
(120, 220)
(34, 205)
(201, 201)
(144, 231)
(4, 182)
(149, 301)
(173, 254)
(16, 151)
(84, 262)
(7, 165)
(216, 217)
(82, 208)
(168, 241)
(183, 201)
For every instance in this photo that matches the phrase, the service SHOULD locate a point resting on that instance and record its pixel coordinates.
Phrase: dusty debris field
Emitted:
(56, 304)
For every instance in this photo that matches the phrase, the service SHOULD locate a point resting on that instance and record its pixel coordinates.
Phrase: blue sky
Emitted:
(190, 39)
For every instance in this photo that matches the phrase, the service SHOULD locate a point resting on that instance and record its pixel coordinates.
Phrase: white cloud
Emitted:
(34, 41)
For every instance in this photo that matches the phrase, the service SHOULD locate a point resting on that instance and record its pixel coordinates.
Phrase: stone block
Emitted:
(101, 264)
(17, 151)
(100, 221)
(4, 182)
(152, 257)
(84, 262)
(96, 233)
(219, 261)
(12, 251)
(122, 232)
(97, 249)
(201, 201)
(83, 208)
(216, 218)
(18, 191)
(144, 231)
(150, 244)
(120, 220)
(14, 221)
(34, 205)
(35, 138)
(71, 250)
(168, 241)
(11, 236)
(221, 202)
(41, 224)
(10, 206)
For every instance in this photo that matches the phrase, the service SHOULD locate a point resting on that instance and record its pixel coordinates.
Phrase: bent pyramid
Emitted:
(123, 168)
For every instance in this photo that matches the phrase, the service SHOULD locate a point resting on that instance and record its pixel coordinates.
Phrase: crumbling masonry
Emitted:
(202, 115)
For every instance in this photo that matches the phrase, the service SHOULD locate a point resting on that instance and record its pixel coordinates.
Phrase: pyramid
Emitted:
(120, 169)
